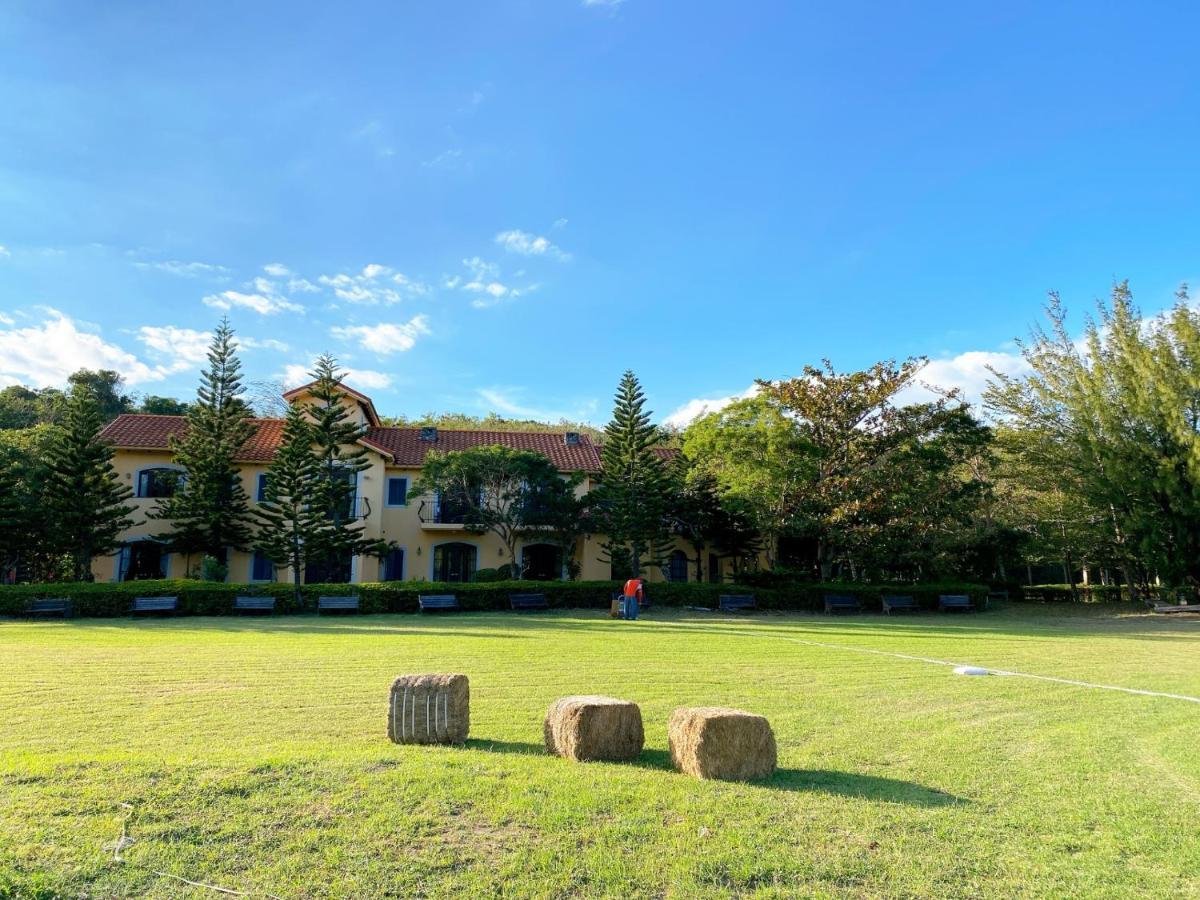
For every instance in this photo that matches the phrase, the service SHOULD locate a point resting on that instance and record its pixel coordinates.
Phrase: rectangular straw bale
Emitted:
(429, 709)
(593, 728)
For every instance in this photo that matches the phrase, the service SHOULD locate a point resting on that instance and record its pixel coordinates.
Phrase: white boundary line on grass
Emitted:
(942, 662)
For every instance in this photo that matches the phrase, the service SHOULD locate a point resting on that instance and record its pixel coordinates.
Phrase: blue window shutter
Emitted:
(397, 491)
(261, 493)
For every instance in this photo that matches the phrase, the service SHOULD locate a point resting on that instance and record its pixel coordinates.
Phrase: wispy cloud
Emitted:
(184, 346)
(527, 244)
(701, 406)
(277, 270)
(265, 304)
(368, 379)
(184, 269)
(4, 251)
(386, 337)
(508, 401)
(44, 354)
(447, 159)
(375, 285)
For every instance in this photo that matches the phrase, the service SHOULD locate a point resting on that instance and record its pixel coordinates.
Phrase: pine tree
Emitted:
(13, 514)
(209, 512)
(632, 497)
(82, 496)
(335, 437)
(291, 521)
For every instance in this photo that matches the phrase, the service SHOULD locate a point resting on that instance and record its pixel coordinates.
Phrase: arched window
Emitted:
(159, 481)
(541, 562)
(677, 566)
(454, 562)
(140, 560)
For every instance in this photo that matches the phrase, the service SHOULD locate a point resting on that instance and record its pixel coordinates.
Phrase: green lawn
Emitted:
(253, 756)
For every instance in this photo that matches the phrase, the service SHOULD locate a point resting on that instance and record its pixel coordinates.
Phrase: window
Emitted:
(397, 492)
(333, 569)
(158, 482)
(140, 560)
(677, 566)
(393, 565)
(260, 493)
(262, 568)
(453, 562)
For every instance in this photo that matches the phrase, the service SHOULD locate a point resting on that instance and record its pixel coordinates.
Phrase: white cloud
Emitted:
(375, 285)
(526, 244)
(4, 251)
(967, 372)
(44, 355)
(386, 337)
(262, 344)
(447, 159)
(694, 409)
(183, 269)
(7, 320)
(185, 346)
(506, 401)
(277, 270)
(296, 375)
(302, 286)
(265, 304)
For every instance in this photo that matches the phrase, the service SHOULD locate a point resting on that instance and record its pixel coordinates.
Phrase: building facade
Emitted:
(430, 541)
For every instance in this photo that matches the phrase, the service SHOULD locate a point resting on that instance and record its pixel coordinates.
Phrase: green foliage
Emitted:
(81, 497)
(163, 406)
(106, 387)
(490, 422)
(211, 569)
(505, 492)
(209, 513)
(630, 505)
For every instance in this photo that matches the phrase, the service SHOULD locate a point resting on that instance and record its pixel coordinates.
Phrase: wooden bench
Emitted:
(434, 602)
(951, 602)
(348, 603)
(154, 605)
(49, 606)
(842, 603)
(736, 602)
(1036, 596)
(899, 603)
(254, 604)
(528, 601)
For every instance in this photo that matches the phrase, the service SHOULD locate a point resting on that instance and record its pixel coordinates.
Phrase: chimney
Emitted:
(429, 433)
(571, 438)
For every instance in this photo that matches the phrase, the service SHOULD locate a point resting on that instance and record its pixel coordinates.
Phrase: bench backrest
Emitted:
(350, 602)
(155, 604)
(839, 600)
(737, 601)
(954, 600)
(899, 601)
(253, 602)
(437, 601)
(50, 604)
(528, 601)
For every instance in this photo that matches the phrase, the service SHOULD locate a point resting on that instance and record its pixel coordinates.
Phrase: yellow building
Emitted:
(428, 543)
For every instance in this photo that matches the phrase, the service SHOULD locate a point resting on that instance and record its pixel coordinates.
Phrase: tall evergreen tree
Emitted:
(291, 521)
(335, 437)
(82, 496)
(209, 512)
(632, 498)
(13, 515)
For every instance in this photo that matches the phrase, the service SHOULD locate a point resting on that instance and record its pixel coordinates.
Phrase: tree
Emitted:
(758, 460)
(504, 491)
(700, 516)
(83, 498)
(335, 442)
(162, 406)
(290, 518)
(209, 512)
(631, 501)
(106, 386)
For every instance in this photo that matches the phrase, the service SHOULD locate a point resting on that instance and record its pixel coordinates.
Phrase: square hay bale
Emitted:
(718, 742)
(594, 728)
(429, 709)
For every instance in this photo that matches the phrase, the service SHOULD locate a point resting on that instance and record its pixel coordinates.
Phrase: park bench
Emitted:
(951, 602)
(49, 606)
(154, 605)
(1036, 596)
(842, 603)
(736, 602)
(899, 603)
(528, 601)
(349, 603)
(433, 602)
(254, 604)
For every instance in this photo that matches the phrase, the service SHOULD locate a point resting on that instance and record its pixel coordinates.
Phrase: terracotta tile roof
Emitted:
(133, 431)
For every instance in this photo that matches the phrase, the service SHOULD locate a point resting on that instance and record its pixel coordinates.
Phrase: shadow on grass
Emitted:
(820, 781)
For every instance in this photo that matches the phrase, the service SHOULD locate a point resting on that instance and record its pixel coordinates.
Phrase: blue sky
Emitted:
(503, 205)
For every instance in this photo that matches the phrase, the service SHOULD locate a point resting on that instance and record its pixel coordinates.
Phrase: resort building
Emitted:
(429, 538)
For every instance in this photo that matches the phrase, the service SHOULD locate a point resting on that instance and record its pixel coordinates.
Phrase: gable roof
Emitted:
(400, 446)
(367, 404)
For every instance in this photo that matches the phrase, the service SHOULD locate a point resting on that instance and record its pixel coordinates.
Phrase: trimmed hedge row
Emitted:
(1061, 593)
(204, 598)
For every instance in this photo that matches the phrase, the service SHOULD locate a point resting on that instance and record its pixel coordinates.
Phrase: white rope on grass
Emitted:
(943, 662)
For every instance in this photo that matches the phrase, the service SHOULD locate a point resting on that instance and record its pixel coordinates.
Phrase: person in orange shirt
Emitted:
(635, 593)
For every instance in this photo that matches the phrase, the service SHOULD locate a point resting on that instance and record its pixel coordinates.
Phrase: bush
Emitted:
(1061, 593)
(212, 599)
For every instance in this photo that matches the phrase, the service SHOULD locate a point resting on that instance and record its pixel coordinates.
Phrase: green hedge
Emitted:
(1060, 593)
(203, 598)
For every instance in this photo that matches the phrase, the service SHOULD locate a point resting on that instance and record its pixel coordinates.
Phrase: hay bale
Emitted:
(591, 728)
(429, 709)
(717, 742)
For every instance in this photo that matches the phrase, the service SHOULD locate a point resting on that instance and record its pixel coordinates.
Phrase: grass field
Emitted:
(252, 756)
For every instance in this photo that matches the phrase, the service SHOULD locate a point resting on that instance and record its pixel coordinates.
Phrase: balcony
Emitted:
(442, 516)
(351, 511)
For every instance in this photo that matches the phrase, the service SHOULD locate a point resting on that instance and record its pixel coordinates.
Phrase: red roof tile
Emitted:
(133, 431)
